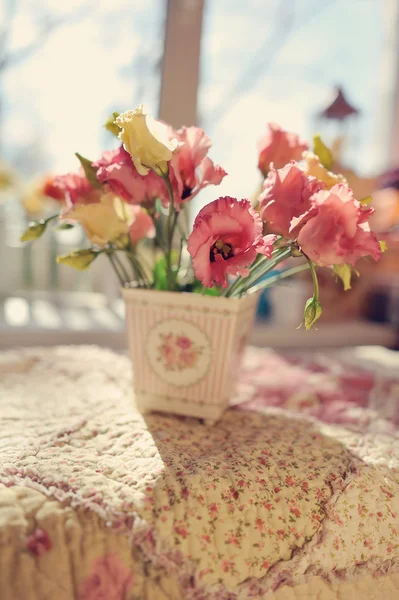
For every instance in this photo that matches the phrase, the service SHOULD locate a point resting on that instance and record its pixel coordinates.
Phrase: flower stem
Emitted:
(264, 265)
(312, 267)
(170, 227)
(276, 278)
(111, 260)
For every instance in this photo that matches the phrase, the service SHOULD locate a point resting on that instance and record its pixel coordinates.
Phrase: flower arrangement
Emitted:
(132, 203)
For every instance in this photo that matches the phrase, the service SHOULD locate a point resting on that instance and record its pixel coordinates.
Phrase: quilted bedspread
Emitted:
(293, 494)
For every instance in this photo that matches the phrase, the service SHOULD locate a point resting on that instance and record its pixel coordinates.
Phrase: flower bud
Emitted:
(80, 259)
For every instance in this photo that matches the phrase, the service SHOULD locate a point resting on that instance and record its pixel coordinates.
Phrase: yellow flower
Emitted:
(314, 168)
(80, 259)
(100, 221)
(146, 140)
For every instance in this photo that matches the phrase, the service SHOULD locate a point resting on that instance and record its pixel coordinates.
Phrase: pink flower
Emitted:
(116, 170)
(183, 342)
(226, 237)
(75, 188)
(336, 230)
(142, 226)
(38, 542)
(50, 189)
(279, 147)
(286, 195)
(109, 580)
(191, 169)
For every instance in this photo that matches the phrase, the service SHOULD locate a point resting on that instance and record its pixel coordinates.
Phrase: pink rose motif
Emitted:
(336, 229)
(178, 352)
(109, 579)
(191, 169)
(183, 342)
(116, 170)
(279, 147)
(142, 226)
(74, 187)
(39, 542)
(286, 195)
(226, 237)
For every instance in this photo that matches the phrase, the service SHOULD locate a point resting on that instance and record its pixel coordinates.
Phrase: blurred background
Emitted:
(327, 66)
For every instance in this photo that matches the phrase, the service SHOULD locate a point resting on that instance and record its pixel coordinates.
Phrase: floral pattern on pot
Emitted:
(179, 352)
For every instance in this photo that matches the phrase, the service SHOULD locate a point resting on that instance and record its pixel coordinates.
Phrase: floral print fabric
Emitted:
(300, 479)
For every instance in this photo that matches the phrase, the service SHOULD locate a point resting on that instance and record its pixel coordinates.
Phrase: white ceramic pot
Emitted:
(186, 349)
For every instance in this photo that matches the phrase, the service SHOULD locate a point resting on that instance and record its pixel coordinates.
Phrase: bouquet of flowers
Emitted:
(136, 197)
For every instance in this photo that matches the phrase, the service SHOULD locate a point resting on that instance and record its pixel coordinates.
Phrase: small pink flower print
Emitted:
(213, 509)
(38, 543)
(109, 579)
(280, 533)
(260, 524)
(290, 481)
(177, 352)
(368, 543)
(183, 342)
(180, 530)
(295, 511)
(265, 564)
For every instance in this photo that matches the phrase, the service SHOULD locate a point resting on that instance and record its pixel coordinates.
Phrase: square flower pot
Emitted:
(186, 349)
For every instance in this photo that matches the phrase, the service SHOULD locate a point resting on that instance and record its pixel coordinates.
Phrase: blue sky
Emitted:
(61, 96)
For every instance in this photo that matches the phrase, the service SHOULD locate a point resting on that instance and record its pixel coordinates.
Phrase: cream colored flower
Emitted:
(314, 168)
(101, 221)
(146, 140)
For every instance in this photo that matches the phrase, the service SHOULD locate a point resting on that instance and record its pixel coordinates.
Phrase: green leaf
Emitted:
(65, 226)
(323, 152)
(383, 246)
(312, 312)
(111, 126)
(89, 170)
(34, 231)
(159, 271)
(365, 201)
(344, 272)
(80, 259)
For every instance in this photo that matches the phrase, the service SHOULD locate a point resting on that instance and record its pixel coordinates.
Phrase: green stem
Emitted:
(276, 278)
(170, 226)
(243, 284)
(124, 272)
(138, 269)
(111, 260)
(315, 280)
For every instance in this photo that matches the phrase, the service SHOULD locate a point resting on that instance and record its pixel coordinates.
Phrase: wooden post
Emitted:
(181, 62)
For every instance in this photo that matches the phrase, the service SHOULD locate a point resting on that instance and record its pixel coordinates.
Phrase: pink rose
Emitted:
(286, 195)
(226, 237)
(109, 580)
(75, 189)
(116, 170)
(142, 226)
(191, 169)
(336, 231)
(279, 147)
(183, 342)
